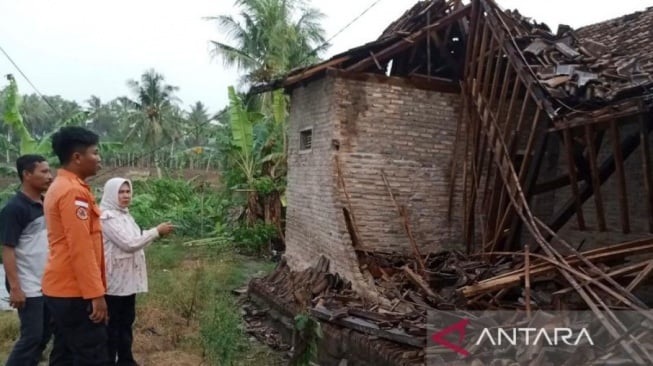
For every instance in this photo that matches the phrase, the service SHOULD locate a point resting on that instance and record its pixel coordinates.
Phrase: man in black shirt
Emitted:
(24, 241)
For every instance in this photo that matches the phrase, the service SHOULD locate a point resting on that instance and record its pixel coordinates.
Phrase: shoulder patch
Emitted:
(82, 212)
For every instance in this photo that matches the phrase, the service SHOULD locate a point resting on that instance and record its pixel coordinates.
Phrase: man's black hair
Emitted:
(27, 163)
(69, 140)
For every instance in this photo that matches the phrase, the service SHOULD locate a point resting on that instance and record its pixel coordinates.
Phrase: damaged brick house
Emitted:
(350, 123)
(470, 128)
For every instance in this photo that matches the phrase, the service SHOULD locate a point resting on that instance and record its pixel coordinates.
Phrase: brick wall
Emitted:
(365, 127)
(314, 224)
(408, 134)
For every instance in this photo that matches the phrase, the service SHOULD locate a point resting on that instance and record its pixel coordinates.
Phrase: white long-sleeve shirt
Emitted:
(123, 253)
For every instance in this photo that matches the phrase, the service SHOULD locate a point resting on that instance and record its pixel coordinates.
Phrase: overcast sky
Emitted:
(75, 48)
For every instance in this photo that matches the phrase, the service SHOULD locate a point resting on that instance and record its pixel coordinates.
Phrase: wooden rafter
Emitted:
(607, 168)
(407, 42)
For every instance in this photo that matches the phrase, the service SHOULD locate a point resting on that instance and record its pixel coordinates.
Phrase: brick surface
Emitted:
(369, 127)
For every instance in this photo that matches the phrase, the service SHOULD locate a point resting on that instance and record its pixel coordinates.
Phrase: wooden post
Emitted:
(621, 176)
(646, 166)
(596, 181)
(573, 177)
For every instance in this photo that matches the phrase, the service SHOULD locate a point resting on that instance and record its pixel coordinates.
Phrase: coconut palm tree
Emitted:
(152, 116)
(273, 37)
(197, 125)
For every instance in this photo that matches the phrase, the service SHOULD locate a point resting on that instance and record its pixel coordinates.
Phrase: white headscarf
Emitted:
(110, 195)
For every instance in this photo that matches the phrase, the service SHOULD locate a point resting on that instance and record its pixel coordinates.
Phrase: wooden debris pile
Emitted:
(257, 325)
(453, 281)
(578, 70)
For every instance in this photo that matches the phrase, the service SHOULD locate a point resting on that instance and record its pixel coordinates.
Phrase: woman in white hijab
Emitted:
(125, 265)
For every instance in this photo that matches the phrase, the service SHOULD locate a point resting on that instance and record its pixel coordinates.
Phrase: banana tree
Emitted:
(242, 123)
(12, 117)
(274, 154)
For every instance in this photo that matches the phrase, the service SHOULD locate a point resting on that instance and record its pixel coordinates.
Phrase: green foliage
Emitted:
(307, 334)
(193, 208)
(221, 331)
(13, 117)
(264, 185)
(8, 192)
(242, 124)
(273, 37)
(253, 239)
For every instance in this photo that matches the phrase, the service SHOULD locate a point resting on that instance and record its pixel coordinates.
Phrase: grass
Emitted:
(189, 314)
(9, 328)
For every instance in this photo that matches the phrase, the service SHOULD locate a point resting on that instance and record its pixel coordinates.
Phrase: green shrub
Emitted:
(222, 331)
(192, 207)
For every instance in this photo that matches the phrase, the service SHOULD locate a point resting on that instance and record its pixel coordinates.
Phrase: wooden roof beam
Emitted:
(409, 41)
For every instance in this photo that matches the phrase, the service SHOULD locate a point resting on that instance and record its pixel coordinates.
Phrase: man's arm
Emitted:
(75, 215)
(10, 230)
(16, 294)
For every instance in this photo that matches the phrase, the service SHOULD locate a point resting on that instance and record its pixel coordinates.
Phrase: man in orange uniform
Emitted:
(74, 281)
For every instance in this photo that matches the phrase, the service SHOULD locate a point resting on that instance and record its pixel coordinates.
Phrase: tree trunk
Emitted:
(252, 207)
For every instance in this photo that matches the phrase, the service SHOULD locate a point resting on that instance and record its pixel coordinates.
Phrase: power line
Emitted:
(314, 51)
(153, 150)
(351, 22)
(325, 43)
(30, 82)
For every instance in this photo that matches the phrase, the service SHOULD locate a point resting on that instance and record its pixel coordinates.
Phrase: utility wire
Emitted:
(315, 50)
(161, 146)
(312, 52)
(30, 82)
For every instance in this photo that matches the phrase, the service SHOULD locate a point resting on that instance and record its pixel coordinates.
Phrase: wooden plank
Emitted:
(606, 253)
(472, 47)
(529, 171)
(516, 58)
(316, 69)
(403, 214)
(489, 71)
(428, 44)
(500, 208)
(596, 181)
(527, 281)
(421, 284)
(573, 178)
(414, 81)
(646, 167)
(512, 146)
(640, 277)
(483, 114)
(536, 270)
(410, 40)
(474, 138)
(621, 177)
(494, 88)
(366, 327)
(468, 142)
(479, 58)
(606, 114)
(356, 238)
(615, 289)
(617, 273)
(555, 183)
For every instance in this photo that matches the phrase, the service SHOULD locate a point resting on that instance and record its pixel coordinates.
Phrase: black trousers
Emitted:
(77, 340)
(35, 332)
(122, 313)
